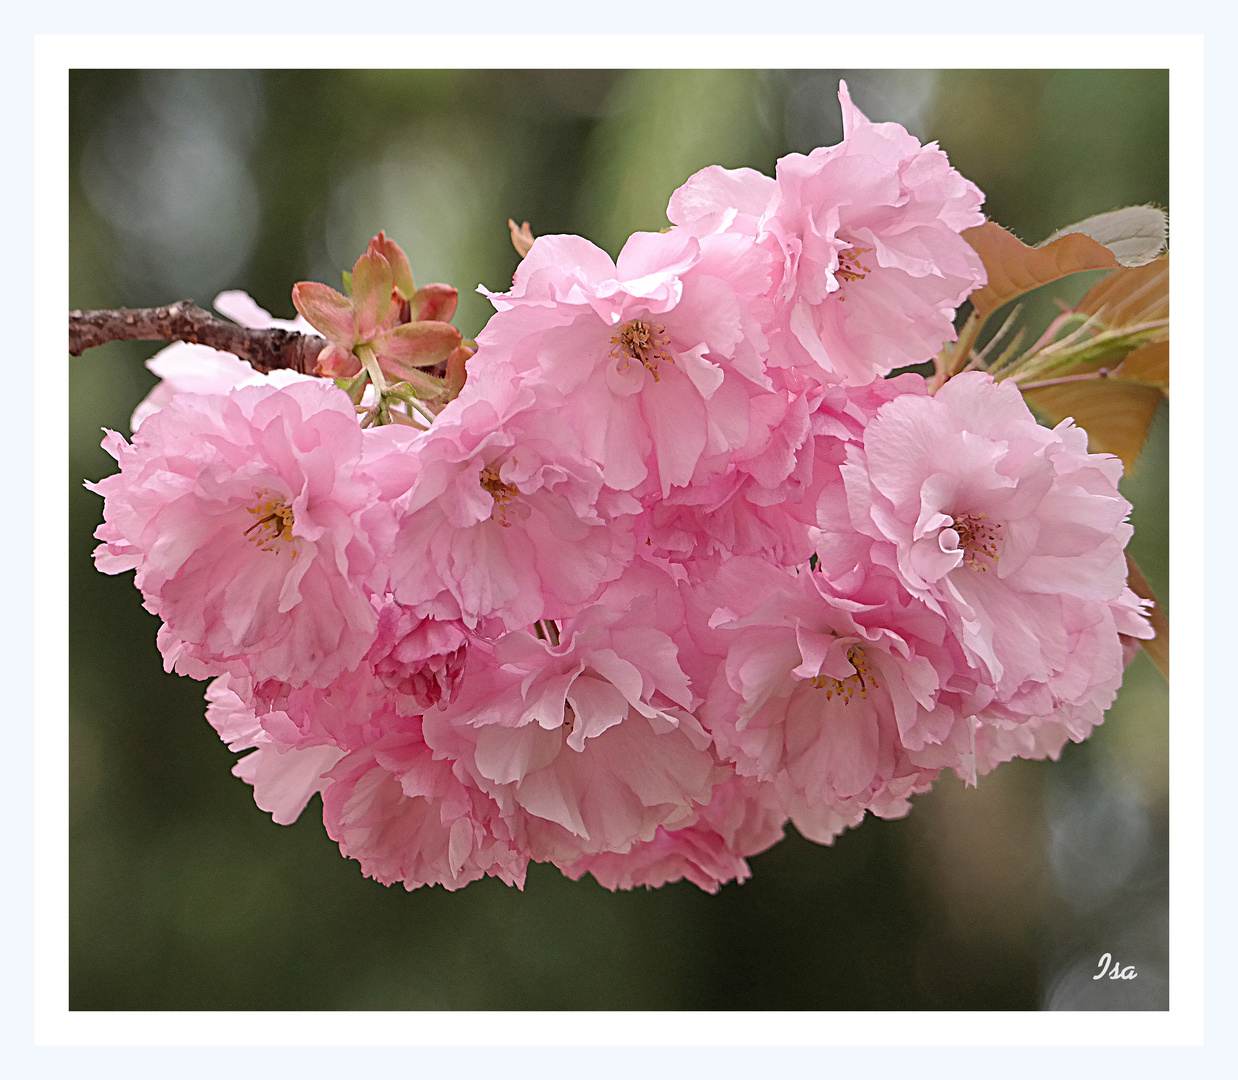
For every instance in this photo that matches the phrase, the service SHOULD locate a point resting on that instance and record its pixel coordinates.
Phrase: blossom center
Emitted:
(501, 493)
(643, 342)
(977, 540)
(849, 266)
(846, 688)
(274, 523)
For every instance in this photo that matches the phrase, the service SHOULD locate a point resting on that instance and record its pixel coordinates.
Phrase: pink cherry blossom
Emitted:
(874, 265)
(588, 745)
(757, 500)
(405, 815)
(742, 819)
(1039, 721)
(502, 523)
(822, 696)
(864, 241)
(1012, 531)
(648, 363)
(766, 499)
(674, 565)
(253, 529)
(720, 201)
(419, 661)
(412, 665)
(284, 775)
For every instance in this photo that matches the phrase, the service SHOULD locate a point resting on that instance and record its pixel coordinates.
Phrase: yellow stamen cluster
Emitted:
(501, 493)
(846, 688)
(977, 540)
(273, 525)
(643, 342)
(849, 266)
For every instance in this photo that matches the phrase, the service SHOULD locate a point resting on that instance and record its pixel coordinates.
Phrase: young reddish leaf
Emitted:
(1117, 410)
(327, 311)
(1130, 296)
(1149, 364)
(1135, 234)
(434, 302)
(1157, 648)
(371, 294)
(1114, 412)
(1014, 268)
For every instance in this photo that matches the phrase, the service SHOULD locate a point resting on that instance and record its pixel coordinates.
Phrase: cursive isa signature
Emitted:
(1117, 972)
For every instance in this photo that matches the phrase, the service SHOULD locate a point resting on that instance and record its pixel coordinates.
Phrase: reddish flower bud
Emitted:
(455, 370)
(328, 312)
(371, 294)
(522, 237)
(401, 272)
(415, 345)
(336, 362)
(436, 302)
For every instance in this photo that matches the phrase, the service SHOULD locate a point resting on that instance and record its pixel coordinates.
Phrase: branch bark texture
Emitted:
(263, 350)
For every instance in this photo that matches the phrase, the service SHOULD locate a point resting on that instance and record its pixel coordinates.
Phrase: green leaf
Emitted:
(354, 387)
(418, 386)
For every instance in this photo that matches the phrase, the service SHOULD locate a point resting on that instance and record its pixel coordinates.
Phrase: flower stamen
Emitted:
(501, 493)
(977, 540)
(643, 342)
(846, 688)
(849, 266)
(274, 523)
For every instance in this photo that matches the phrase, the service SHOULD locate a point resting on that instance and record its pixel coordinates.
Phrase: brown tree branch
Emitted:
(264, 350)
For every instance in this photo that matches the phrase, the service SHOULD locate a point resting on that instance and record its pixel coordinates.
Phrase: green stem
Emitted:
(370, 362)
(1103, 373)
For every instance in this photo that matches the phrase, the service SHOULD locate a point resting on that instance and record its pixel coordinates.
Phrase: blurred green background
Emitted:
(185, 896)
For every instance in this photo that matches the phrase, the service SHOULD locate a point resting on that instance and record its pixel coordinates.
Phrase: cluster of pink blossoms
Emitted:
(677, 566)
